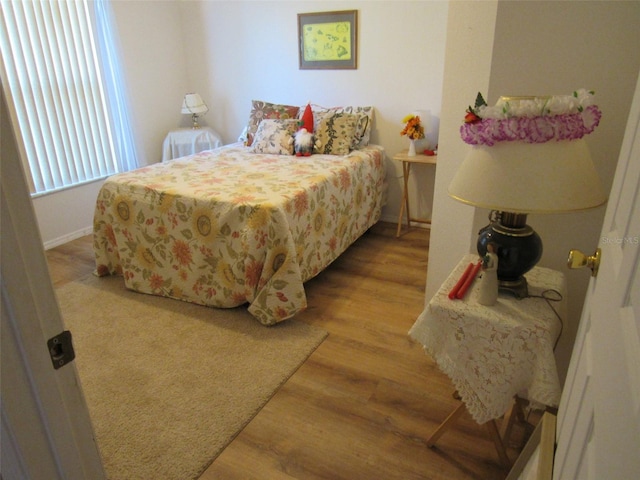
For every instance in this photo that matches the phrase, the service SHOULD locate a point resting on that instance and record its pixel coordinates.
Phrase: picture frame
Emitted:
(328, 40)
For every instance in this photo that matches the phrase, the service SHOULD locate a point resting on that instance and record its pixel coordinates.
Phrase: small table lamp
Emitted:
(192, 104)
(527, 156)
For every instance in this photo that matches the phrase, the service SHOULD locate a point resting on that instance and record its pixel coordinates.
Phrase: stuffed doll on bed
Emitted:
(303, 143)
(304, 140)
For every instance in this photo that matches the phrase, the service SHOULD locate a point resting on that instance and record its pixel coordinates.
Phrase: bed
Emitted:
(231, 226)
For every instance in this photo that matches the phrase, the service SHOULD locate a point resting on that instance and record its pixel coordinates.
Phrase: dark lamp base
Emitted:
(518, 288)
(518, 247)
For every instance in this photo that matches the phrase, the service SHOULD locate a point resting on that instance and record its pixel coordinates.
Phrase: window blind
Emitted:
(52, 73)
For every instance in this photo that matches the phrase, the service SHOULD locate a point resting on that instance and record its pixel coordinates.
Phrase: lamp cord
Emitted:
(552, 295)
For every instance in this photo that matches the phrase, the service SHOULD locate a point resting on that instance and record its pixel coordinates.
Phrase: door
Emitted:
(46, 430)
(599, 417)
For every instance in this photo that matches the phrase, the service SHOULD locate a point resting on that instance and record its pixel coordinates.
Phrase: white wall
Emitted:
(241, 51)
(66, 215)
(467, 71)
(155, 59)
(234, 51)
(539, 48)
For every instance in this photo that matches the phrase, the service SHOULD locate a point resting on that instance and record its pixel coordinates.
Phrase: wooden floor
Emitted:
(366, 400)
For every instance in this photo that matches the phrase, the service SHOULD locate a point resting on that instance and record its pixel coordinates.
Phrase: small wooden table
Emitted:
(493, 354)
(406, 169)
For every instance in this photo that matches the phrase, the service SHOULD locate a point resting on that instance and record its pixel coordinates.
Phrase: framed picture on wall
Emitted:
(328, 40)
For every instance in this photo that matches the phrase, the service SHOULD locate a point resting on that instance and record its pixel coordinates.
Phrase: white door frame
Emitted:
(46, 428)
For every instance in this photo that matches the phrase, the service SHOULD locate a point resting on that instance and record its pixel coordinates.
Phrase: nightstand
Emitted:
(187, 141)
(495, 353)
(407, 161)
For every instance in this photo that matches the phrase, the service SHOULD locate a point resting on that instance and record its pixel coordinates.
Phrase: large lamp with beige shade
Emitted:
(528, 156)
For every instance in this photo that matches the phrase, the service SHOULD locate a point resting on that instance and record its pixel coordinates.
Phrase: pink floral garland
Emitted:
(541, 129)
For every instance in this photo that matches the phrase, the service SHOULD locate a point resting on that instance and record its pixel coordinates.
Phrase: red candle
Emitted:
(456, 287)
(469, 280)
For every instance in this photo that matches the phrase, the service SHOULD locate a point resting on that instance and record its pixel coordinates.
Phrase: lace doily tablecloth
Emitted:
(493, 353)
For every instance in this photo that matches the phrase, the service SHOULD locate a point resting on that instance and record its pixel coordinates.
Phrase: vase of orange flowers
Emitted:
(412, 148)
(413, 130)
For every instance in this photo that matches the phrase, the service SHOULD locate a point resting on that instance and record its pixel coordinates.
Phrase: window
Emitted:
(61, 76)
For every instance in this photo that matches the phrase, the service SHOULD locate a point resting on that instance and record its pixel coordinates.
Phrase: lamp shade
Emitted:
(192, 103)
(551, 177)
(528, 155)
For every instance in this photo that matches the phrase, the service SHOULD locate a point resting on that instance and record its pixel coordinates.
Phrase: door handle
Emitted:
(577, 259)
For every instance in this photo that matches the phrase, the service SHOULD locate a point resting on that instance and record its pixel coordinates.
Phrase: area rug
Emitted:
(169, 384)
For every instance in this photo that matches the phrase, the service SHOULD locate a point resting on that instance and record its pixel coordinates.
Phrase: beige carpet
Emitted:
(170, 384)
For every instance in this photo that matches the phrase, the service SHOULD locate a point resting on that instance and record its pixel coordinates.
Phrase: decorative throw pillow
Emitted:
(334, 133)
(362, 134)
(275, 137)
(363, 127)
(264, 110)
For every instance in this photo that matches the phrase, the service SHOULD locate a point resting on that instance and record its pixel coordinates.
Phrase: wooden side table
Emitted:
(187, 141)
(493, 354)
(406, 160)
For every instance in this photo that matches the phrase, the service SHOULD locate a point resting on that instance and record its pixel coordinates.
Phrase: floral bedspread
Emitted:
(226, 227)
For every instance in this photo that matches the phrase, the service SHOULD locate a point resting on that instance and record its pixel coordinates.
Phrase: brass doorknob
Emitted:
(577, 259)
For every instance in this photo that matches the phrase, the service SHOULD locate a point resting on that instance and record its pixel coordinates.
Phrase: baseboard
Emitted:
(389, 218)
(394, 219)
(67, 238)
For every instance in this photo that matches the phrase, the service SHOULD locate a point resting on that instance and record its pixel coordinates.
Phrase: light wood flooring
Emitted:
(364, 403)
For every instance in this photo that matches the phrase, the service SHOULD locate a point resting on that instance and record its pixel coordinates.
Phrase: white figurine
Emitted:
(488, 293)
